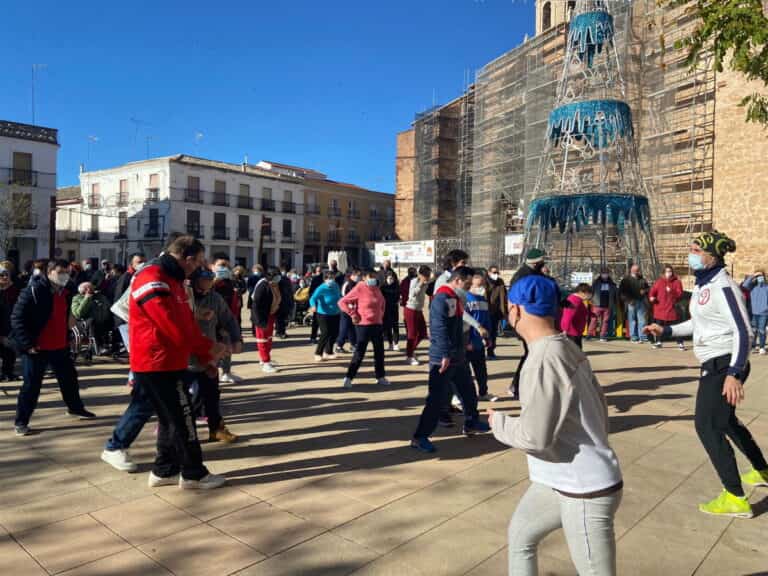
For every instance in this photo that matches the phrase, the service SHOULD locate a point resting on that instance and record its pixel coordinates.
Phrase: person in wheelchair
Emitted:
(93, 308)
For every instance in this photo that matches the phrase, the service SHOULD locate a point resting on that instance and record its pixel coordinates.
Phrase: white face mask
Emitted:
(390, 280)
(36, 272)
(478, 290)
(493, 276)
(60, 280)
(355, 279)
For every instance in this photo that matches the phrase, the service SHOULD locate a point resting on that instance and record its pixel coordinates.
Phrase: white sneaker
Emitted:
(235, 378)
(396, 347)
(318, 358)
(456, 402)
(488, 398)
(155, 481)
(119, 459)
(383, 382)
(414, 362)
(657, 345)
(226, 378)
(268, 367)
(603, 339)
(347, 383)
(681, 346)
(329, 356)
(762, 352)
(208, 482)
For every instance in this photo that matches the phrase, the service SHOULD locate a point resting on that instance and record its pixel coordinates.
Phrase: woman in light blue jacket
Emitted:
(325, 304)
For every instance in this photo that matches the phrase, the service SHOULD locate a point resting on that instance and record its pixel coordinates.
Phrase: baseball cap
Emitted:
(537, 294)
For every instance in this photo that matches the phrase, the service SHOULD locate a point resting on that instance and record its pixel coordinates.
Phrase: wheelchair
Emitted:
(82, 344)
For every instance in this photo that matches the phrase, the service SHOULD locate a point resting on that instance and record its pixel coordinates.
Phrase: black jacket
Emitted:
(522, 272)
(286, 295)
(32, 311)
(262, 302)
(597, 293)
(122, 284)
(391, 294)
(315, 283)
(633, 289)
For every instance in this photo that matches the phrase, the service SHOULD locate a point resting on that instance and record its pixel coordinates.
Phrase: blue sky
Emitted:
(323, 84)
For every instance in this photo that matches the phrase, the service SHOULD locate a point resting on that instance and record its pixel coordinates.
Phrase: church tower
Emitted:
(550, 13)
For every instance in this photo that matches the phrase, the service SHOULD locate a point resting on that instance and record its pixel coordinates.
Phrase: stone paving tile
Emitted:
(326, 555)
(15, 560)
(267, 528)
(200, 550)
(314, 457)
(86, 540)
(122, 564)
(144, 520)
(49, 510)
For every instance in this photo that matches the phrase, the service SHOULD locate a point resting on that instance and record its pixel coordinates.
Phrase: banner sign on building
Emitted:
(418, 252)
(581, 278)
(513, 244)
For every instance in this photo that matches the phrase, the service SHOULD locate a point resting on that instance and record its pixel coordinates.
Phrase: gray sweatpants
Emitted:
(587, 523)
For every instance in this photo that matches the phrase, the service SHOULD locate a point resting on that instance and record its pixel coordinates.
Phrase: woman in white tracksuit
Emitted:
(721, 334)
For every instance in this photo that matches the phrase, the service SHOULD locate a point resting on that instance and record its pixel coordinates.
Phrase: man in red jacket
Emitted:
(163, 334)
(664, 296)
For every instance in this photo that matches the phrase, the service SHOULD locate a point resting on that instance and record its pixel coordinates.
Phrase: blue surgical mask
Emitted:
(371, 282)
(461, 293)
(761, 279)
(330, 282)
(695, 262)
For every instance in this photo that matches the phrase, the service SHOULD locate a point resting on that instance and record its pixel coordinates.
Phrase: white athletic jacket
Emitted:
(719, 322)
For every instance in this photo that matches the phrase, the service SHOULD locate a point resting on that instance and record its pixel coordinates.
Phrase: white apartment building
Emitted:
(236, 209)
(27, 190)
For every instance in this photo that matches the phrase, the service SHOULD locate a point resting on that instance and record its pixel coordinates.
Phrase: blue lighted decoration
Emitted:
(563, 212)
(589, 33)
(580, 120)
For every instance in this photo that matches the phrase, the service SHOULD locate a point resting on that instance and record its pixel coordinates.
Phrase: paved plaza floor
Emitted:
(323, 480)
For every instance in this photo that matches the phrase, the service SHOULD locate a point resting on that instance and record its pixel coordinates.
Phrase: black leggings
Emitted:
(329, 331)
(367, 334)
(716, 419)
(392, 325)
(476, 359)
(208, 399)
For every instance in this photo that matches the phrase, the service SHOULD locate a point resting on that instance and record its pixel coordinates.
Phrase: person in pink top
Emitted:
(576, 315)
(364, 304)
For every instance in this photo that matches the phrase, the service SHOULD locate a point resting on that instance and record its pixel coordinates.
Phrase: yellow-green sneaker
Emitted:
(755, 478)
(728, 505)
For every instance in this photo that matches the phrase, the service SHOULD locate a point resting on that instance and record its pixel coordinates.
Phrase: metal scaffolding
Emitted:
(491, 139)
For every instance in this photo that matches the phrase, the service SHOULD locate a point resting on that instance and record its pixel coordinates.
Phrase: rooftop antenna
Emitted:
(137, 122)
(35, 68)
(148, 139)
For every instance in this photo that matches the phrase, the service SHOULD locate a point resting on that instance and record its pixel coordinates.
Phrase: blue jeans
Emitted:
(759, 322)
(138, 413)
(636, 314)
(346, 331)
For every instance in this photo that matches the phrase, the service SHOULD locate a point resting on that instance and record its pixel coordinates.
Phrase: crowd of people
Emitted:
(178, 317)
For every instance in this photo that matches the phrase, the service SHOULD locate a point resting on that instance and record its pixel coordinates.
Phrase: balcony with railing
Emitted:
(268, 205)
(24, 220)
(334, 211)
(312, 237)
(353, 213)
(152, 195)
(94, 201)
(288, 237)
(152, 230)
(220, 233)
(353, 237)
(245, 234)
(193, 195)
(312, 209)
(22, 177)
(196, 230)
(334, 236)
(220, 199)
(288, 207)
(90, 235)
(374, 215)
(122, 199)
(267, 236)
(245, 202)
(67, 235)
(122, 234)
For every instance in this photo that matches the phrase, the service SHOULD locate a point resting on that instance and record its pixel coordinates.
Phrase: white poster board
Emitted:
(417, 252)
(513, 244)
(581, 278)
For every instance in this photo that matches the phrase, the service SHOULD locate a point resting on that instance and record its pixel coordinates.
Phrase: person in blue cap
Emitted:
(448, 361)
(576, 481)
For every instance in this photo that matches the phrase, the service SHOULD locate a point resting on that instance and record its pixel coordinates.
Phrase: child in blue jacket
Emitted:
(477, 306)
